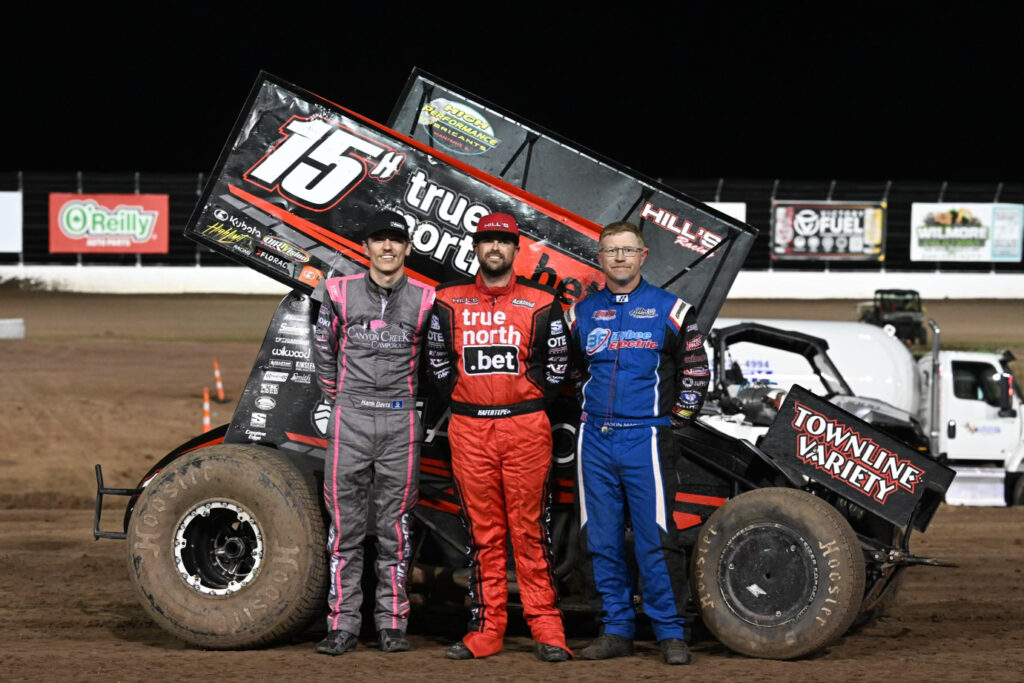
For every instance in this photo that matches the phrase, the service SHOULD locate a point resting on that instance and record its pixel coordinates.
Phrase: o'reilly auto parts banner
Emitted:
(838, 231)
(966, 232)
(108, 223)
(10, 223)
(300, 176)
(695, 250)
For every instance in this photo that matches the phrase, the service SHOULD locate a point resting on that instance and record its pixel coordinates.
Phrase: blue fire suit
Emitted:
(642, 366)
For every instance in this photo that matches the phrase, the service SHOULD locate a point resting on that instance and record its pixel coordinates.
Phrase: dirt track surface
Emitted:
(118, 380)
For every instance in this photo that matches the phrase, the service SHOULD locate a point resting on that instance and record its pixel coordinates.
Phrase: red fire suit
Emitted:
(499, 353)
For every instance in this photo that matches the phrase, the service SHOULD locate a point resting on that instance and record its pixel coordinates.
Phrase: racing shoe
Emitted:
(458, 651)
(392, 640)
(552, 653)
(675, 651)
(606, 646)
(336, 643)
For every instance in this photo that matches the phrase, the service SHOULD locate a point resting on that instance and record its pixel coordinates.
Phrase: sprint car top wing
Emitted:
(695, 251)
(299, 177)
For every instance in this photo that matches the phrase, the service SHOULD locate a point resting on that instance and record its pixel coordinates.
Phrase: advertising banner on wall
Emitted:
(834, 231)
(737, 210)
(108, 223)
(696, 249)
(966, 232)
(10, 223)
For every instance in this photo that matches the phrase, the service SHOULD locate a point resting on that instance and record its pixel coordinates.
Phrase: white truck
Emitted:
(973, 414)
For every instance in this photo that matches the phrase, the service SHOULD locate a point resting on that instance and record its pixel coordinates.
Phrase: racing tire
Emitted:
(777, 573)
(226, 548)
(1017, 494)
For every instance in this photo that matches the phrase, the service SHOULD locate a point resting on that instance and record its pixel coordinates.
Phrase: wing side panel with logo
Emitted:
(300, 176)
(696, 252)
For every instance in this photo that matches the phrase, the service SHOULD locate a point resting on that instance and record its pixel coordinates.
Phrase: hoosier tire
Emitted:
(777, 573)
(226, 548)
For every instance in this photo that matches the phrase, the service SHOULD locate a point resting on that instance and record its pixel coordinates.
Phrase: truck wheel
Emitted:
(777, 573)
(226, 548)
(1017, 495)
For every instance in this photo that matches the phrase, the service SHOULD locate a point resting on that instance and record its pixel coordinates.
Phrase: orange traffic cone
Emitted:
(206, 409)
(220, 385)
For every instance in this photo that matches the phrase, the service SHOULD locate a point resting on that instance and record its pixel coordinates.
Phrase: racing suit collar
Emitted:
(615, 297)
(495, 291)
(375, 289)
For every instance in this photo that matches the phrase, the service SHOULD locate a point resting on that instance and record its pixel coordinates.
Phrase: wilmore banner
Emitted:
(966, 232)
(835, 231)
(108, 223)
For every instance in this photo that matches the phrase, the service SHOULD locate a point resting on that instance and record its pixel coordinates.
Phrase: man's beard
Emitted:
(495, 270)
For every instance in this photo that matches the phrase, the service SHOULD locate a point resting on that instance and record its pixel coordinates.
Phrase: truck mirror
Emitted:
(1006, 395)
(951, 429)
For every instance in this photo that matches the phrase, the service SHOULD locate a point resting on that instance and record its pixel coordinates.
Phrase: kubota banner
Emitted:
(300, 177)
(108, 223)
(695, 250)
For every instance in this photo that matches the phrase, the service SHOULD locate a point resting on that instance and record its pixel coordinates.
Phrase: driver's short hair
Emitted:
(620, 227)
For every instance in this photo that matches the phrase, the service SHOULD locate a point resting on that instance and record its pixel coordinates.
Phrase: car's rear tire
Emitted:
(226, 548)
(777, 573)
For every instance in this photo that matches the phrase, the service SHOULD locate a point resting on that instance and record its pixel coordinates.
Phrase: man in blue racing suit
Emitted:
(642, 369)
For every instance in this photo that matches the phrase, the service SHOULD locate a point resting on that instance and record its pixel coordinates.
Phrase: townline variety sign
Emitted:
(695, 250)
(847, 455)
(839, 231)
(300, 177)
(966, 232)
(108, 223)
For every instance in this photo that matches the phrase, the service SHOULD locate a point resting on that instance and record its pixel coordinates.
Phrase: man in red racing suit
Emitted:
(497, 347)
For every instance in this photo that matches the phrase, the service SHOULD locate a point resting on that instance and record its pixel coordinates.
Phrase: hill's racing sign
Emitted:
(860, 463)
(300, 177)
(838, 231)
(966, 232)
(695, 250)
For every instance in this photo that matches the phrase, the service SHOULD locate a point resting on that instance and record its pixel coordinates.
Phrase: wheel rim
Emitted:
(218, 548)
(768, 574)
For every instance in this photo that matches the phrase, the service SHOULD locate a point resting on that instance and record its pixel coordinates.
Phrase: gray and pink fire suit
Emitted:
(367, 347)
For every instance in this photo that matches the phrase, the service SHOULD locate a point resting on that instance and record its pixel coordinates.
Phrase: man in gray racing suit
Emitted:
(367, 347)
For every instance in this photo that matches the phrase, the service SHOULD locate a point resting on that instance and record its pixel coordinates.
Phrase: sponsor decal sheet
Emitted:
(695, 250)
(966, 232)
(813, 438)
(836, 231)
(279, 404)
(300, 176)
(108, 223)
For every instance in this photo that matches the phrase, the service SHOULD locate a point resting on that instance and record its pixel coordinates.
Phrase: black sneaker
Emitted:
(336, 643)
(458, 651)
(675, 651)
(606, 646)
(552, 653)
(392, 640)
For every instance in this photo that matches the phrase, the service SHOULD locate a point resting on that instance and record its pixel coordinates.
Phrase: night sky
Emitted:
(895, 90)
